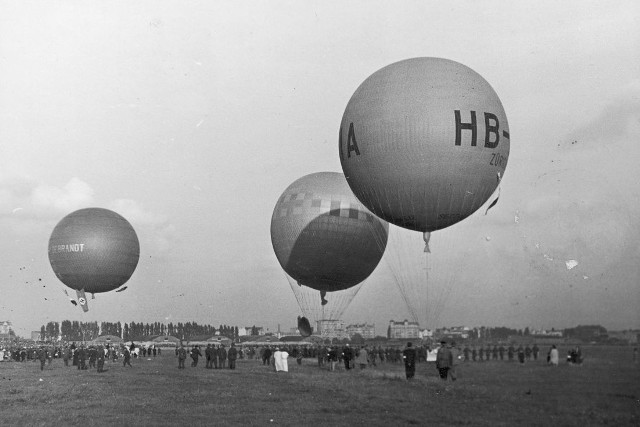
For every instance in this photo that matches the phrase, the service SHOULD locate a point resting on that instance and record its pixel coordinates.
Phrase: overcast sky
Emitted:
(191, 118)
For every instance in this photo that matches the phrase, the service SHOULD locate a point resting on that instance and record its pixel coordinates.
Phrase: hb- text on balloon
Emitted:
(424, 143)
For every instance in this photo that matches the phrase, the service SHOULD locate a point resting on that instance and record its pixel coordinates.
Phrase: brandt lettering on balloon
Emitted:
(93, 250)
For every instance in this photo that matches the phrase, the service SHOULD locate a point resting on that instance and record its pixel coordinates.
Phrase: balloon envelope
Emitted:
(322, 235)
(94, 249)
(424, 142)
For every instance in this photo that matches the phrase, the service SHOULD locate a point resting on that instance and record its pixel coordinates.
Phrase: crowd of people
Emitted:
(447, 356)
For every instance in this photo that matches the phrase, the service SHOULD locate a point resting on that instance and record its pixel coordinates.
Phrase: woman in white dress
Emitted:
(280, 359)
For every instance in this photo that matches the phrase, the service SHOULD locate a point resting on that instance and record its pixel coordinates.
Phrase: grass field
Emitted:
(605, 390)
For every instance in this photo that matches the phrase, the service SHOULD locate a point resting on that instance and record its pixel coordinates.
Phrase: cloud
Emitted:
(135, 212)
(74, 195)
(616, 123)
(154, 229)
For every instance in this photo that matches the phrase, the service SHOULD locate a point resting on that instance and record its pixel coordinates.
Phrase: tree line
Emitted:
(68, 330)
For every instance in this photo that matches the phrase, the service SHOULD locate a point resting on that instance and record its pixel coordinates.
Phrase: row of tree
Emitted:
(68, 330)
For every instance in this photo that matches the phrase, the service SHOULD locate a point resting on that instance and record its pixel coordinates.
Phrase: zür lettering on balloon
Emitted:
(93, 250)
(424, 143)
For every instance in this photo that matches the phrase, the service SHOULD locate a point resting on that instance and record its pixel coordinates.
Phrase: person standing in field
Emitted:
(182, 356)
(42, 356)
(82, 357)
(347, 356)
(409, 358)
(126, 357)
(535, 350)
(232, 355)
(362, 358)
(444, 360)
(554, 357)
(195, 354)
(66, 355)
(280, 360)
(520, 354)
(510, 352)
(332, 357)
(222, 356)
(455, 360)
(93, 355)
(100, 358)
(207, 354)
(266, 355)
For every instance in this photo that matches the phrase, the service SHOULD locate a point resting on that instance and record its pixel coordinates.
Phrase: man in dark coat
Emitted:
(207, 353)
(100, 358)
(127, 357)
(82, 357)
(409, 357)
(42, 356)
(182, 355)
(444, 360)
(222, 356)
(347, 356)
(232, 355)
(266, 355)
(195, 354)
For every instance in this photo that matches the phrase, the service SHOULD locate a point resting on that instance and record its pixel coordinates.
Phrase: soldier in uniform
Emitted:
(409, 357)
(66, 355)
(82, 357)
(100, 358)
(195, 354)
(42, 356)
(444, 360)
(222, 356)
(207, 353)
(182, 356)
(232, 355)
(92, 356)
(347, 356)
(127, 357)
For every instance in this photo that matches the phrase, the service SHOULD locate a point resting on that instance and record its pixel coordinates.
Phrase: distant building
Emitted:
(364, 330)
(5, 329)
(426, 333)
(545, 333)
(331, 329)
(631, 337)
(459, 332)
(403, 329)
(249, 331)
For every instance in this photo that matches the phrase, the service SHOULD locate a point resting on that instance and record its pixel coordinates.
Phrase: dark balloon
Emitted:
(304, 327)
(322, 235)
(94, 249)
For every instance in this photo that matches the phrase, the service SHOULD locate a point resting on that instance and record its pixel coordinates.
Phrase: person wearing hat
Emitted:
(409, 357)
(444, 360)
(347, 356)
(455, 360)
(232, 355)
(182, 355)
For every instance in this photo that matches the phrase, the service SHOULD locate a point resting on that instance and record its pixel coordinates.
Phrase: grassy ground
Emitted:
(604, 391)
